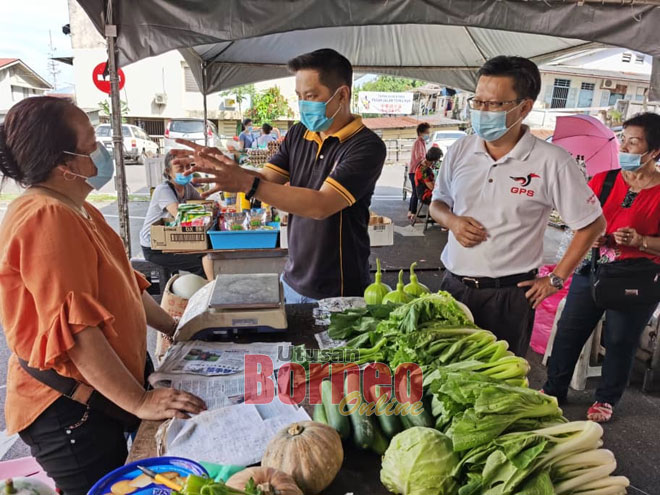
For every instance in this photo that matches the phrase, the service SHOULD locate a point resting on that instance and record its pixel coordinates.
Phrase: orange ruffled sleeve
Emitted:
(142, 282)
(58, 261)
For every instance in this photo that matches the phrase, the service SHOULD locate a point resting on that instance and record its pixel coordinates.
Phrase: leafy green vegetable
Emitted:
(199, 485)
(359, 320)
(420, 461)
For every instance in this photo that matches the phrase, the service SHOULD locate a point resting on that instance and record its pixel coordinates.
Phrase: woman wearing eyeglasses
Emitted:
(632, 211)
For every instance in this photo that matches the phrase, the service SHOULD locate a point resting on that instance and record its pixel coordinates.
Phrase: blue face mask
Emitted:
(181, 179)
(105, 167)
(630, 162)
(313, 114)
(491, 126)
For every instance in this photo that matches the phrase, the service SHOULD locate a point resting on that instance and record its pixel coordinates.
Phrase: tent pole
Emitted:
(206, 132)
(117, 140)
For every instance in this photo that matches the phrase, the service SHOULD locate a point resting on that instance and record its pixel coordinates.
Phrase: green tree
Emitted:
(240, 94)
(268, 105)
(391, 84)
(104, 106)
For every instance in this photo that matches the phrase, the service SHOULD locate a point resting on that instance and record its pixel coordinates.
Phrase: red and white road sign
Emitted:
(101, 82)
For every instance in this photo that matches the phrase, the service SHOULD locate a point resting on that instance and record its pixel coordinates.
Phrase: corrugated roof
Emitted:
(403, 122)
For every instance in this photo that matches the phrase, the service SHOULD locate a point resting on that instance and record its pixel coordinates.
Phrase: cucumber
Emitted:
(380, 443)
(424, 418)
(405, 421)
(319, 414)
(362, 425)
(335, 419)
(390, 425)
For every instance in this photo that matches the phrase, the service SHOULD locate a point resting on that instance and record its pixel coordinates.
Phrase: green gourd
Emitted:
(414, 288)
(398, 296)
(375, 293)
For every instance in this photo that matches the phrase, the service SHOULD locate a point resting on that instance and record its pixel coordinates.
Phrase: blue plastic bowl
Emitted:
(130, 473)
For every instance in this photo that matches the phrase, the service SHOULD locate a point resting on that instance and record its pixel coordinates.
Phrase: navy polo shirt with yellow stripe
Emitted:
(329, 258)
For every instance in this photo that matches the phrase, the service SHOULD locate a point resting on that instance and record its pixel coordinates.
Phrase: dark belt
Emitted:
(494, 283)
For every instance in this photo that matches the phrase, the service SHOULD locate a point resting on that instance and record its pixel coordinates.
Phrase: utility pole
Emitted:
(52, 64)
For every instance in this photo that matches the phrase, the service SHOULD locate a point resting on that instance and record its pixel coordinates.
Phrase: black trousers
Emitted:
(412, 207)
(174, 262)
(504, 311)
(622, 331)
(76, 446)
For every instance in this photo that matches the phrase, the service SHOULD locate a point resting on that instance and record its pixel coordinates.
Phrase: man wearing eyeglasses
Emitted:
(494, 193)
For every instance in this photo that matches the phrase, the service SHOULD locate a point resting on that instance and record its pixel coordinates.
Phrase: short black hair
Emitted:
(266, 128)
(423, 127)
(433, 154)
(334, 69)
(650, 122)
(525, 74)
(247, 121)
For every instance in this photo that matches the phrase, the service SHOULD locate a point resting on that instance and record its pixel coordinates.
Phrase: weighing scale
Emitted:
(244, 303)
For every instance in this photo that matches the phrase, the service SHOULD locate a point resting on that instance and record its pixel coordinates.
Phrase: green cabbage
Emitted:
(420, 461)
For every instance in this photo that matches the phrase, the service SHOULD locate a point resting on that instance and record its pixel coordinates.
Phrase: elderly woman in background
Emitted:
(632, 211)
(165, 201)
(70, 303)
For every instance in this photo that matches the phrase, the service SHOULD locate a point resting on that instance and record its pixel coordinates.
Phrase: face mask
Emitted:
(105, 167)
(312, 114)
(249, 128)
(182, 180)
(630, 162)
(427, 137)
(491, 126)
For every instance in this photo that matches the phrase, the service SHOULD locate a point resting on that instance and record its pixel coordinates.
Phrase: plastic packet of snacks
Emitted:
(258, 218)
(235, 221)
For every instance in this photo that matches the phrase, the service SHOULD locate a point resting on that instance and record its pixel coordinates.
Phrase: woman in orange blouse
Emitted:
(70, 301)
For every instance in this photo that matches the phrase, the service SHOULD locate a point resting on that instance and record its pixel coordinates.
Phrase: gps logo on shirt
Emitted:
(524, 182)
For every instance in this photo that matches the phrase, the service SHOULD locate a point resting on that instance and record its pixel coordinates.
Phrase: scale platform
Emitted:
(245, 303)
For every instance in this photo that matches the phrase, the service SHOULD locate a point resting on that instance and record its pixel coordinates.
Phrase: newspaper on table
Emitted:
(214, 371)
(236, 434)
(322, 317)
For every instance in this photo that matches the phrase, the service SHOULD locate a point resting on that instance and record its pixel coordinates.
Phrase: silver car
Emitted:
(192, 130)
(137, 144)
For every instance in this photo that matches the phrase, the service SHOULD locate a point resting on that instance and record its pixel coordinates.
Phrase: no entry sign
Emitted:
(101, 82)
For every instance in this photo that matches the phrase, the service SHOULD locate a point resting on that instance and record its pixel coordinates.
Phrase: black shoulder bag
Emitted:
(624, 284)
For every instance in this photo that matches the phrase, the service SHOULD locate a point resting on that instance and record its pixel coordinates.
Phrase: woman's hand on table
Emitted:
(166, 403)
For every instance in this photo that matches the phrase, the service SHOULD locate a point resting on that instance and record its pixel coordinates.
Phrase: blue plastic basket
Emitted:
(245, 239)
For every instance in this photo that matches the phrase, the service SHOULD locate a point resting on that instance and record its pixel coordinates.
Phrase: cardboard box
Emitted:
(178, 238)
(380, 234)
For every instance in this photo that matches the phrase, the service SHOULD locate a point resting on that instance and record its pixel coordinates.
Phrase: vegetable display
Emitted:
(268, 481)
(398, 295)
(414, 288)
(375, 292)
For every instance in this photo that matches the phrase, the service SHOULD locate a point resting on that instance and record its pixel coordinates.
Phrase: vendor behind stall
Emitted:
(331, 162)
(266, 137)
(165, 203)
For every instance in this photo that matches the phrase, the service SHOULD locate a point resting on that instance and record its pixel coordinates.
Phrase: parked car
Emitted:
(137, 144)
(444, 139)
(192, 130)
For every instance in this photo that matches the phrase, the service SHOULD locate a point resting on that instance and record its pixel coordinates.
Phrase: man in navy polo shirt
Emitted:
(495, 192)
(324, 176)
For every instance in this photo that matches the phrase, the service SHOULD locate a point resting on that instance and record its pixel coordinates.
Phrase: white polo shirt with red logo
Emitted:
(512, 198)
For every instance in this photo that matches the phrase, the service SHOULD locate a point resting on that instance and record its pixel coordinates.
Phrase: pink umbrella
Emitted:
(587, 136)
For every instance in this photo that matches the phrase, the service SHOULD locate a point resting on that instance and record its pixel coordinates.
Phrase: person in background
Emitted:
(245, 137)
(277, 133)
(632, 211)
(70, 303)
(165, 201)
(331, 162)
(265, 138)
(494, 193)
(416, 156)
(425, 176)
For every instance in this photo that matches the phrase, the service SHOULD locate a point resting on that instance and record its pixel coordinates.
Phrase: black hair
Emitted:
(525, 74)
(650, 122)
(245, 123)
(423, 127)
(334, 69)
(33, 138)
(267, 128)
(434, 154)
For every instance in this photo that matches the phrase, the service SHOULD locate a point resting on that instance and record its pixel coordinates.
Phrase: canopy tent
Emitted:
(233, 42)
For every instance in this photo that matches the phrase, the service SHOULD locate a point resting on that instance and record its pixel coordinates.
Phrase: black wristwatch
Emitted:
(556, 281)
(253, 190)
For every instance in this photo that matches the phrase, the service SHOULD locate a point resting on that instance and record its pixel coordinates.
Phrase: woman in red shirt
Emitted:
(632, 211)
(416, 157)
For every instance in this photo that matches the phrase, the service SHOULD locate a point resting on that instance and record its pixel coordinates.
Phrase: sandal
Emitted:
(600, 412)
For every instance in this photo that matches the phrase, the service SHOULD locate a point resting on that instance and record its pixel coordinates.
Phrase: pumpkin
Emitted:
(310, 452)
(270, 481)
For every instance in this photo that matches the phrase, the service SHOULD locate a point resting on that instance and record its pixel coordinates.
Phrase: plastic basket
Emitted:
(245, 239)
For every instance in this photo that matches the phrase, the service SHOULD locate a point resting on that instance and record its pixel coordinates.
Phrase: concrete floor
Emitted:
(632, 435)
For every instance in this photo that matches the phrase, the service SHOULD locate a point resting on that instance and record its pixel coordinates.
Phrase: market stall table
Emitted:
(360, 473)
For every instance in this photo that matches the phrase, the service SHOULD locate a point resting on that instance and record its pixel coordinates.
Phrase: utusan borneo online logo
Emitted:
(371, 389)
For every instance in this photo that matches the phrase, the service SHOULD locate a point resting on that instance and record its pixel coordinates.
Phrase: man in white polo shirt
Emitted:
(494, 193)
